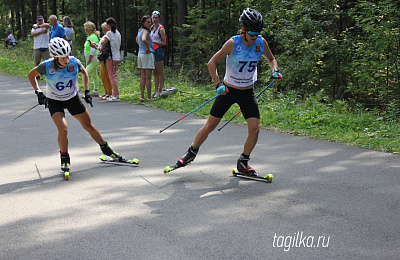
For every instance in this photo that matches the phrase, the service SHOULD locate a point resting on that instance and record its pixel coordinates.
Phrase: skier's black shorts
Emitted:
(73, 105)
(246, 100)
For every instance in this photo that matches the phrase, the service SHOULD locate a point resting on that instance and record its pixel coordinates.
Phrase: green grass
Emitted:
(333, 122)
(280, 111)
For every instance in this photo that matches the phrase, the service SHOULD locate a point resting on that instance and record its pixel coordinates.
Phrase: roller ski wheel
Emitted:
(65, 170)
(179, 164)
(168, 169)
(66, 175)
(65, 165)
(267, 178)
(119, 161)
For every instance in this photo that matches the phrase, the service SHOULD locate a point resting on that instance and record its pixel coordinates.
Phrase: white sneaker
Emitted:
(113, 99)
(157, 95)
(153, 94)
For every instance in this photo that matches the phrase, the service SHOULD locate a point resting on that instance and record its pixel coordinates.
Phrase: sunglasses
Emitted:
(253, 33)
(156, 12)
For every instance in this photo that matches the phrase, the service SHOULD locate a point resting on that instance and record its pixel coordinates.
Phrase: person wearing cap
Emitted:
(40, 36)
(242, 53)
(10, 39)
(62, 93)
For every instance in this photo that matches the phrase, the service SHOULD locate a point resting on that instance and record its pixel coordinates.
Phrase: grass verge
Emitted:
(280, 111)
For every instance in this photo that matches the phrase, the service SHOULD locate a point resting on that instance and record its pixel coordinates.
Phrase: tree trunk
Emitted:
(164, 22)
(23, 20)
(124, 34)
(96, 20)
(18, 19)
(171, 22)
(182, 13)
(101, 18)
(34, 11)
(54, 7)
(41, 10)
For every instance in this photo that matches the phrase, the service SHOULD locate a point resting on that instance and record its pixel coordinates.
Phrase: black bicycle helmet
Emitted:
(251, 20)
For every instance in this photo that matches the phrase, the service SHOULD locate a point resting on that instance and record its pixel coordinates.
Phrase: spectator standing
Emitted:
(40, 40)
(103, 68)
(114, 37)
(157, 34)
(145, 56)
(10, 39)
(92, 63)
(69, 29)
(56, 28)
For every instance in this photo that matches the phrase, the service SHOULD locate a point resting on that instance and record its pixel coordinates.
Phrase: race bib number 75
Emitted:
(252, 65)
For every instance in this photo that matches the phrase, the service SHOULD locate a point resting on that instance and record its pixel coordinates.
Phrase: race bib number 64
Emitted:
(60, 85)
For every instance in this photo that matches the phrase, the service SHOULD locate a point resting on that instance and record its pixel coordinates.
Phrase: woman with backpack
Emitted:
(158, 35)
(113, 37)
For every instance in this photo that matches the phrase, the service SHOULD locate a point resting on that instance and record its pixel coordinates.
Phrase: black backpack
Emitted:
(102, 56)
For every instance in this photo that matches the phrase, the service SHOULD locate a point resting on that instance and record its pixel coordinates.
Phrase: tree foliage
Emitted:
(346, 49)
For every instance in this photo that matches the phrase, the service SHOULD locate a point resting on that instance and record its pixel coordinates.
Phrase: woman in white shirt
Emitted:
(114, 37)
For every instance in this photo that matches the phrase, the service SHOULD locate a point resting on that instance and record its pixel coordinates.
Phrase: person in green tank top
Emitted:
(92, 63)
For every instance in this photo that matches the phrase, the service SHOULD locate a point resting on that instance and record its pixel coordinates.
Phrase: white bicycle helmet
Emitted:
(59, 48)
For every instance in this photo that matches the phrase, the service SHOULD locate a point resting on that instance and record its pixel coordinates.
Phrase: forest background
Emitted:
(339, 59)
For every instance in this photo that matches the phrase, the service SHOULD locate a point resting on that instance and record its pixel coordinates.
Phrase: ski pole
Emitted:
(259, 94)
(189, 113)
(25, 112)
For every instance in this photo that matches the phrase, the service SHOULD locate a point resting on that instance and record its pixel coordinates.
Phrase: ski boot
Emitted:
(243, 167)
(109, 152)
(65, 163)
(187, 158)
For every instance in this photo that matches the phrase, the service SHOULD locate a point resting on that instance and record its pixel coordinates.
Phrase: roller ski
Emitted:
(186, 159)
(110, 156)
(65, 165)
(119, 161)
(266, 178)
(243, 170)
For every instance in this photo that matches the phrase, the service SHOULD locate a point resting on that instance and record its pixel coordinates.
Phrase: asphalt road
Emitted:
(327, 200)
